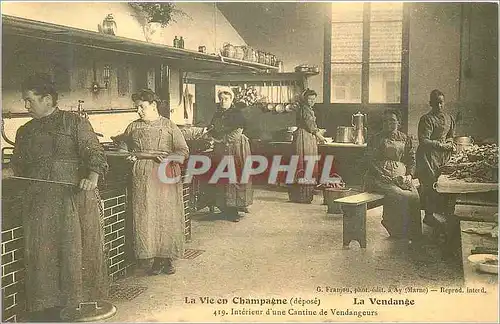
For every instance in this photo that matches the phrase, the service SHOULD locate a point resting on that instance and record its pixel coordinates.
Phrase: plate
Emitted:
(481, 258)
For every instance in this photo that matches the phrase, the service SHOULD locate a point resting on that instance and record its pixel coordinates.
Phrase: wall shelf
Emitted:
(193, 77)
(187, 60)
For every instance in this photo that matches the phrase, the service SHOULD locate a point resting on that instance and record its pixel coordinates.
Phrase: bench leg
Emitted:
(354, 225)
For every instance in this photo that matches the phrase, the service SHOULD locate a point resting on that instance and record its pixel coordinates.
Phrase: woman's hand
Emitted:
(160, 158)
(91, 182)
(320, 138)
(131, 158)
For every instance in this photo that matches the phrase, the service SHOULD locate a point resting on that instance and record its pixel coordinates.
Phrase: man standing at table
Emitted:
(436, 130)
(64, 256)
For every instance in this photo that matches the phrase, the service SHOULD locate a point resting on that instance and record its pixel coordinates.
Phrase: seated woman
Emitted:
(391, 163)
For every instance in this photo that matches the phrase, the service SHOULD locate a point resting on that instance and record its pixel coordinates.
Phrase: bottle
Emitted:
(181, 42)
(176, 42)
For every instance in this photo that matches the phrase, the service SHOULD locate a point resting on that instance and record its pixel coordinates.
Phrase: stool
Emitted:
(354, 222)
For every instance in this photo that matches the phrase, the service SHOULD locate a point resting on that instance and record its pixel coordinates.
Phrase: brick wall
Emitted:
(12, 273)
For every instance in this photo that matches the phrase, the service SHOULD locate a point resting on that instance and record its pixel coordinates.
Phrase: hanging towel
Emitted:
(187, 99)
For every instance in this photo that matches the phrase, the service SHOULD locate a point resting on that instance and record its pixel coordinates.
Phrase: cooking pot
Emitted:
(463, 142)
(344, 134)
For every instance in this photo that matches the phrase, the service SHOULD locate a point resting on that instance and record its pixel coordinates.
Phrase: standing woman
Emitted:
(391, 165)
(63, 236)
(157, 207)
(436, 130)
(305, 142)
(227, 131)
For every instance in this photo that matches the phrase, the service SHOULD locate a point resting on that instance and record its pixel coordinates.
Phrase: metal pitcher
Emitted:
(359, 120)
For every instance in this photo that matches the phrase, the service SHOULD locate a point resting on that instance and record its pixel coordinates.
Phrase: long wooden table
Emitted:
(451, 189)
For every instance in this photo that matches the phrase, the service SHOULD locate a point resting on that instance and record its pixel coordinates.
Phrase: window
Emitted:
(366, 47)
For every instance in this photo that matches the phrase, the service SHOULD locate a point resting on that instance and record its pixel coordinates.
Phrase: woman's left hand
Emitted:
(160, 158)
(89, 183)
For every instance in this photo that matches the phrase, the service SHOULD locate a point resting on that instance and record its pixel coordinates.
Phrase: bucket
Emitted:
(331, 194)
(301, 193)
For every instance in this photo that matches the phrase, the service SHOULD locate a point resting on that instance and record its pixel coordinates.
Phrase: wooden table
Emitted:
(450, 189)
(472, 277)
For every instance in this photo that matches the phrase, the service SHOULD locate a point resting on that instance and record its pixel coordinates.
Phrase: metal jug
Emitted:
(359, 120)
(109, 25)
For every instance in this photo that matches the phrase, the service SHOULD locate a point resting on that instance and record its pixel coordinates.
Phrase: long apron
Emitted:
(63, 232)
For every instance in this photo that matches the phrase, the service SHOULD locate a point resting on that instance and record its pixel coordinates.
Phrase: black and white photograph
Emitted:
(249, 161)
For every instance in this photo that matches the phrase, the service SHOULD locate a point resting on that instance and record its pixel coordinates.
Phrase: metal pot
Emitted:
(239, 52)
(344, 134)
(228, 50)
(463, 142)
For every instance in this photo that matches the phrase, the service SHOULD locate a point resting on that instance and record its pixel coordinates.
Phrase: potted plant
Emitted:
(157, 12)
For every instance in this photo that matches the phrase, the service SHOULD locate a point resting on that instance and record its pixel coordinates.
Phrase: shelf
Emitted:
(187, 60)
(248, 76)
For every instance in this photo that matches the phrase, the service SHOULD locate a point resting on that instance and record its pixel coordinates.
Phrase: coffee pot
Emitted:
(359, 121)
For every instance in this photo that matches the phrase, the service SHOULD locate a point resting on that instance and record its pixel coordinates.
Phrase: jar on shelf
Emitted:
(273, 60)
(268, 59)
(239, 52)
(250, 55)
(228, 50)
(262, 57)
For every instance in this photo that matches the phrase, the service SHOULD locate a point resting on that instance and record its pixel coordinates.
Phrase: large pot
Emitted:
(463, 142)
(344, 134)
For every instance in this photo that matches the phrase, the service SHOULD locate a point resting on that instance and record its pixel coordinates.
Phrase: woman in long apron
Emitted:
(436, 130)
(227, 131)
(157, 207)
(305, 145)
(63, 233)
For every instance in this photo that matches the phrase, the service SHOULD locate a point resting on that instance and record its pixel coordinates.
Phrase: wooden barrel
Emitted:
(331, 194)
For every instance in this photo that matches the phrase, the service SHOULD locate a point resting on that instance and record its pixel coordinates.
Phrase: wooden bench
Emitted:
(354, 222)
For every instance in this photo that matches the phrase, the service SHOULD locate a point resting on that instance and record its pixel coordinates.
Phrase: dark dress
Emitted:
(228, 128)
(433, 130)
(304, 144)
(64, 255)
(392, 155)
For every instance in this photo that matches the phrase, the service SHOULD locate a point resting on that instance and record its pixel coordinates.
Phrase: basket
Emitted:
(301, 193)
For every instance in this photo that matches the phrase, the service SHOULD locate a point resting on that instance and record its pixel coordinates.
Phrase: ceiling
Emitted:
(262, 22)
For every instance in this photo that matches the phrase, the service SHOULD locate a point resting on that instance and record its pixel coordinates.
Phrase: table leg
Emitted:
(452, 247)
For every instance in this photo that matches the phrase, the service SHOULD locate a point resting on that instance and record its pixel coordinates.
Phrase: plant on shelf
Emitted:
(247, 96)
(157, 12)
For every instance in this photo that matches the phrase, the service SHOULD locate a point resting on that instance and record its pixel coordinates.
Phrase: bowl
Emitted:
(485, 262)
(480, 258)
(291, 129)
(489, 266)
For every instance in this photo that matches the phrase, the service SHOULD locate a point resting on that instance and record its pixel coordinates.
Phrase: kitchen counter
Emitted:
(348, 157)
